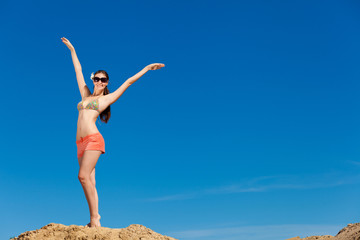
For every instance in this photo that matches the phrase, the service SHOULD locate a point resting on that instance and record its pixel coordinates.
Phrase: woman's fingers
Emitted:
(159, 65)
(156, 66)
(67, 42)
(64, 39)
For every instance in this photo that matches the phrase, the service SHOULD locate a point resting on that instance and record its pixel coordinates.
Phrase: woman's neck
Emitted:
(98, 93)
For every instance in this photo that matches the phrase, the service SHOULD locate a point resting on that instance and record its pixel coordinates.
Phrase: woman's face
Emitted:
(100, 85)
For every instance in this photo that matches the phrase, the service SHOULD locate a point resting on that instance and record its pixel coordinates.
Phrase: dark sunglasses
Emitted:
(104, 80)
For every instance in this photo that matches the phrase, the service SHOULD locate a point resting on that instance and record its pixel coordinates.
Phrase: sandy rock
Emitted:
(324, 237)
(350, 232)
(54, 231)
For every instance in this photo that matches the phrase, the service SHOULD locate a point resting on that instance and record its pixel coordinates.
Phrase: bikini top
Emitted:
(94, 105)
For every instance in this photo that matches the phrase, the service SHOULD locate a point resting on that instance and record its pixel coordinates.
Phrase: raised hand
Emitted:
(155, 66)
(67, 43)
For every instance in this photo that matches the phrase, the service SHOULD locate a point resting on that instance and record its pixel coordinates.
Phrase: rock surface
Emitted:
(54, 231)
(350, 232)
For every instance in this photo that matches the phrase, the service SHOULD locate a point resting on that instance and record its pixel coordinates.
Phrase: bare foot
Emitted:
(89, 224)
(94, 221)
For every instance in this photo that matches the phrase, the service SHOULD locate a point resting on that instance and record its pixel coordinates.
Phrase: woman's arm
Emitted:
(84, 90)
(114, 96)
(76, 61)
(153, 66)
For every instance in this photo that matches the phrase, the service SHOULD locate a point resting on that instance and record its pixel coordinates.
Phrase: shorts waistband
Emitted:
(87, 136)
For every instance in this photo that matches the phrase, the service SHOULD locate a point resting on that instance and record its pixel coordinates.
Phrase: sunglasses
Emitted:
(104, 80)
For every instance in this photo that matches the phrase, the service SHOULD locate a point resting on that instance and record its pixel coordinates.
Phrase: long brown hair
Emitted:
(104, 115)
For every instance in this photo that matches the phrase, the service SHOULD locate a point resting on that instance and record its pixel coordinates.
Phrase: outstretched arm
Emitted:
(153, 66)
(114, 96)
(84, 90)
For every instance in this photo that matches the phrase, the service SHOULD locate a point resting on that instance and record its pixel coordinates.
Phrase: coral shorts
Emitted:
(93, 141)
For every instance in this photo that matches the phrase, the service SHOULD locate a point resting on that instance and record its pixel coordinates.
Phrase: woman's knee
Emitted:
(84, 177)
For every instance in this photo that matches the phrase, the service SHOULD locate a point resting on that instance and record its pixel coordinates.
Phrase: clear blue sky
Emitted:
(251, 131)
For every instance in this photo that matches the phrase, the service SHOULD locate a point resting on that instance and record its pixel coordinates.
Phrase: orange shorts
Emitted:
(93, 141)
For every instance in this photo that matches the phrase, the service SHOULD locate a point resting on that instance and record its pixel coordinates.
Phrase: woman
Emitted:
(90, 143)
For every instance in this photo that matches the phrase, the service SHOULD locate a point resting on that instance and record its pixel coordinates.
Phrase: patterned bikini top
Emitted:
(94, 105)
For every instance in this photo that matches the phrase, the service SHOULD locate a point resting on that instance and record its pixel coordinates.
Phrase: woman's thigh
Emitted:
(80, 160)
(88, 161)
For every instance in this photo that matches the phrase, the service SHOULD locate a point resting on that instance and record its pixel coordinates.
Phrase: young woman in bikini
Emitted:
(90, 143)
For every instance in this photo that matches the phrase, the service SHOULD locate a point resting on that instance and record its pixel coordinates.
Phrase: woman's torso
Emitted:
(89, 110)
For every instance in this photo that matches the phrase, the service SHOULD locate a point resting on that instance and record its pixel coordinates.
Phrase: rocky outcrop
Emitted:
(54, 231)
(350, 232)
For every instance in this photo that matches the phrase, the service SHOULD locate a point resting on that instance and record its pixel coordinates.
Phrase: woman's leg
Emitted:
(92, 177)
(87, 165)
(93, 181)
